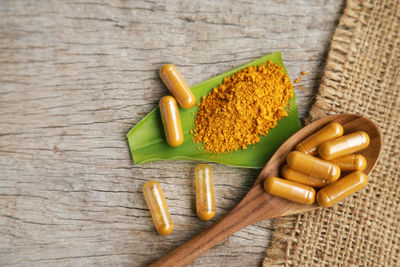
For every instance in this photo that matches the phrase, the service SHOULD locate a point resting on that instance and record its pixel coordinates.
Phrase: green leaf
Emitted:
(147, 141)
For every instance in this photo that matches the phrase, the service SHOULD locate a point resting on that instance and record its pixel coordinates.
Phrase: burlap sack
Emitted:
(361, 76)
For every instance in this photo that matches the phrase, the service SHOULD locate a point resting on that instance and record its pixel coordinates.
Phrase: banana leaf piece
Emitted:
(147, 140)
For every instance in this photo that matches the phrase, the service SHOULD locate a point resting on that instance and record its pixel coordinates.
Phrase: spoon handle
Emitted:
(248, 211)
(200, 243)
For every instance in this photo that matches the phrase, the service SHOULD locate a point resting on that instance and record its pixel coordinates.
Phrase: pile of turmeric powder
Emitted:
(246, 105)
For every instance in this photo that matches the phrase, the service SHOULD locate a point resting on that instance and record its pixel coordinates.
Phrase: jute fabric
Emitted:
(361, 76)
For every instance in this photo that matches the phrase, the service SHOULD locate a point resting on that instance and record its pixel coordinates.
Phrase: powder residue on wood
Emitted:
(244, 107)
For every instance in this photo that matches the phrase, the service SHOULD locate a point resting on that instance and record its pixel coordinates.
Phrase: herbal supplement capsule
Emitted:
(171, 121)
(345, 145)
(177, 85)
(158, 207)
(310, 144)
(290, 190)
(353, 162)
(313, 166)
(301, 178)
(205, 199)
(341, 189)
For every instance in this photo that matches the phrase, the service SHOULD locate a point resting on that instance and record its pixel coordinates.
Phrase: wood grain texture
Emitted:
(75, 76)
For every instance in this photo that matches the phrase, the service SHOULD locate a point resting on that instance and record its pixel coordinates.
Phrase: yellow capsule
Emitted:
(345, 145)
(158, 207)
(310, 144)
(205, 199)
(177, 85)
(341, 189)
(353, 162)
(313, 166)
(301, 178)
(171, 121)
(290, 190)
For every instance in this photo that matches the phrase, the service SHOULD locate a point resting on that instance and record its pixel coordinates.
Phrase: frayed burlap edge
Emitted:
(284, 234)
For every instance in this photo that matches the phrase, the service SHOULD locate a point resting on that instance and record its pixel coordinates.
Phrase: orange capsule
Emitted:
(313, 166)
(289, 190)
(171, 121)
(158, 207)
(353, 162)
(345, 145)
(177, 85)
(205, 198)
(341, 189)
(310, 144)
(301, 178)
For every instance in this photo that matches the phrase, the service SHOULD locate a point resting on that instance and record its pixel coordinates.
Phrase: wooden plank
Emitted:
(75, 76)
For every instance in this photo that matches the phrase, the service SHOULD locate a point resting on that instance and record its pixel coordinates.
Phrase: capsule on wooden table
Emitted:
(171, 121)
(345, 145)
(353, 162)
(205, 198)
(313, 166)
(341, 189)
(301, 178)
(289, 190)
(310, 144)
(158, 207)
(177, 85)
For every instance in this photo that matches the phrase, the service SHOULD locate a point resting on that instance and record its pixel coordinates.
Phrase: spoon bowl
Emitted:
(257, 205)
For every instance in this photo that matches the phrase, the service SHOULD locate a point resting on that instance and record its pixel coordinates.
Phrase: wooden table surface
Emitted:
(75, 76)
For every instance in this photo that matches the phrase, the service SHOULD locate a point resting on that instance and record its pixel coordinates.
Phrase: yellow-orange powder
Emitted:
(248, 104)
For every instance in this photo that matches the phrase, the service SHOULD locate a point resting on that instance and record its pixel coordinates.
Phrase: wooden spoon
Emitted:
(258, 205)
